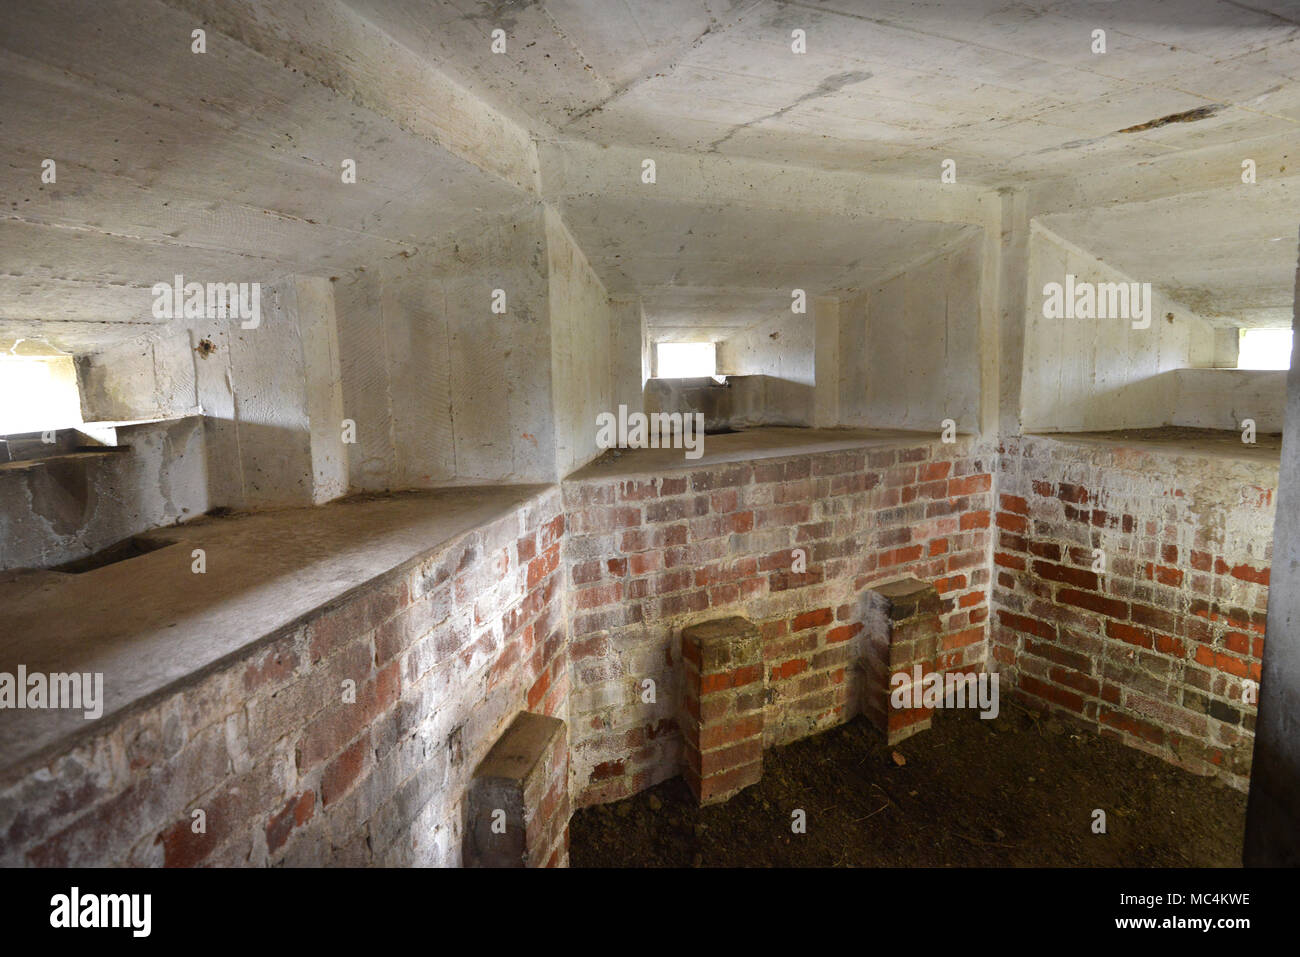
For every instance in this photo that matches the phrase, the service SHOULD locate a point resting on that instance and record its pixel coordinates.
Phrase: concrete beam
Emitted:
(575, 168)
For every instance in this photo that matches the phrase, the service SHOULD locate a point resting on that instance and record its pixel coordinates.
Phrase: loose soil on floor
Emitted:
(1016, 791)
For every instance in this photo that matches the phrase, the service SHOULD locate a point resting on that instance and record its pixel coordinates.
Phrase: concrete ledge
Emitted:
(151, 625)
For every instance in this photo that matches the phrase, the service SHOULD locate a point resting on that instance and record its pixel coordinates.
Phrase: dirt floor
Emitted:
(1015, 791)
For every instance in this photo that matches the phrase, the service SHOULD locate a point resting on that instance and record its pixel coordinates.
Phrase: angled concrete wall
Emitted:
(1095, 374)
(581, 348)
(909, 348)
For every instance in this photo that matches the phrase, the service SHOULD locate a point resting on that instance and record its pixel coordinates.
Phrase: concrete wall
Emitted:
(56, 513)
(582, 356)
(909, 349)
(269, 434)
(1223, 398)
(443, 390)
(1095, 374)
(269, 400)
(151, 376)
(629, 353)
(269, 394)
(741, 402)
(781, 347)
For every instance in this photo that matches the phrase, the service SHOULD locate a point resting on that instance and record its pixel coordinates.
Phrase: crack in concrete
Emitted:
(830, 85)
(715, 26)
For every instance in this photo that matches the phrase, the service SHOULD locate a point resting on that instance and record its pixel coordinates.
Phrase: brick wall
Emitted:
(649, 554)
(573, 606)
(442, 652)
(1154, 648)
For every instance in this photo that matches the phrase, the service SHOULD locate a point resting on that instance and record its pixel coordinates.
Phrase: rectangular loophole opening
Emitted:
(123, 551)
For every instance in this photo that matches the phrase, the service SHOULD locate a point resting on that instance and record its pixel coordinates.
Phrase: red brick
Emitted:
(1135, 727)
(812, 619)
(1093, 602)
(1072, 493)
(789, 669)
(608, 769)
(1067, 575)
(1246, 573)
(1127, 633)
(1041, 689)
(951, 583)
(1027, 625)
(296, 812)
(1012, 522)
(969, 484)
(729, 732)
(842, 633)
(898, 556)
(340, 774)
(1013, 503)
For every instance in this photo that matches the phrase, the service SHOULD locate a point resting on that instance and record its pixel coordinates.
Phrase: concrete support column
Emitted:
(826, 362)
(272, 401)
(628, 370)
(723, 724)
(314, 297)
(1273, 811)
(1003, 301)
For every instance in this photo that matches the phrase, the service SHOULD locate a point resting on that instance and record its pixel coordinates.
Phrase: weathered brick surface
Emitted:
(901, 628)
(722, 714)
(518, 803)
(574, 606)
(1152, 643)
(441, 654)
(689, 545)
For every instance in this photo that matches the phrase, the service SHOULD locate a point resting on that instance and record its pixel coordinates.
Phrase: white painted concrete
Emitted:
(582, 355)
(522, 171)
(909, 348)
(1096, 374)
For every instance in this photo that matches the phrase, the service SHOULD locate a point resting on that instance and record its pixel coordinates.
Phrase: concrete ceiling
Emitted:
(1010, 91)
(1228, 255)
(723, 268)
(228, 163)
